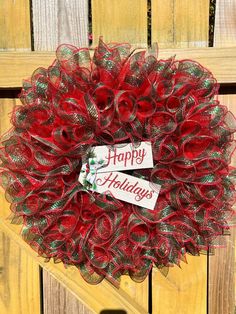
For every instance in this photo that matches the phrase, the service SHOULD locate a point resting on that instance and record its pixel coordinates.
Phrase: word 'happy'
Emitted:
(132, 157)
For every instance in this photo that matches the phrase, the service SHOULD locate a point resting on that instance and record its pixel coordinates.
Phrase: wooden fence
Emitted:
(29, 31)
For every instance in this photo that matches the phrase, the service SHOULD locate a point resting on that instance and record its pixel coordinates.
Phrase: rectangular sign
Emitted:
(124, 156)
(122, 186)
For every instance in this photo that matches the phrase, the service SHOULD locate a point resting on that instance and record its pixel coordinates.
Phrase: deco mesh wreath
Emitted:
(119, 96)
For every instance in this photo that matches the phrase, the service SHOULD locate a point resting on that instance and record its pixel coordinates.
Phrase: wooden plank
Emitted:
(222, 278)
(222, 263)
(225, 23)
(96, 298)
(15, 35)
(120, 21)
(19, 279)
(58, 300)
(59, 21)
(137, 291)
(184, 290)
(56, 22)
(180, 23)
(17, 66)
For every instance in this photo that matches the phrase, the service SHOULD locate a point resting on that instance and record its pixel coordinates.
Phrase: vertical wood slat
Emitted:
(19, 279)
(58, 299)
(183, 290)
(225, 23)
(57, 22)
(120, 21)
(222, 263)
(15, 25)
(19, 273)
(180, 23)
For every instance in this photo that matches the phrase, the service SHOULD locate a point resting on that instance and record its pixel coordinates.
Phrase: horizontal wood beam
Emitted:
(16, 66)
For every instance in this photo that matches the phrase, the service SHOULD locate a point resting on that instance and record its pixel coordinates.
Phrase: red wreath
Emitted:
(119, 96)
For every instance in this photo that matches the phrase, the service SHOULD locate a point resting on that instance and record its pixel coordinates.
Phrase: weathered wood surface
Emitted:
(225, 23)
(16, 66)
(58, 300)
(59, 21)
(222, 264)
(120, 21)
(15, 25)
(180, 23)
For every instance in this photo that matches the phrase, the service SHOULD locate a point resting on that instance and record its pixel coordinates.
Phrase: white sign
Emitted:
(122, 186)
(124, 156)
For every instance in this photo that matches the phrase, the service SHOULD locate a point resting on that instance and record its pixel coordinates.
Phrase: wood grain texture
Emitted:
(222, 263)
(60, 21)
(16, 66)
(19, 279)
(58, 300)
(183, 291)
(137, 291)
(120, 21)
(15, 25)
(180, 23)
(225, 23)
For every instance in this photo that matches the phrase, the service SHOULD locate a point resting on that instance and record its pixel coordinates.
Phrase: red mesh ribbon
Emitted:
(119, 96)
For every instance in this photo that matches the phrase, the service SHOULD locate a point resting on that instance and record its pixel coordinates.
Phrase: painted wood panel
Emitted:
(120, 21)
(59, 21)
(180, 23)
(15, 25)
